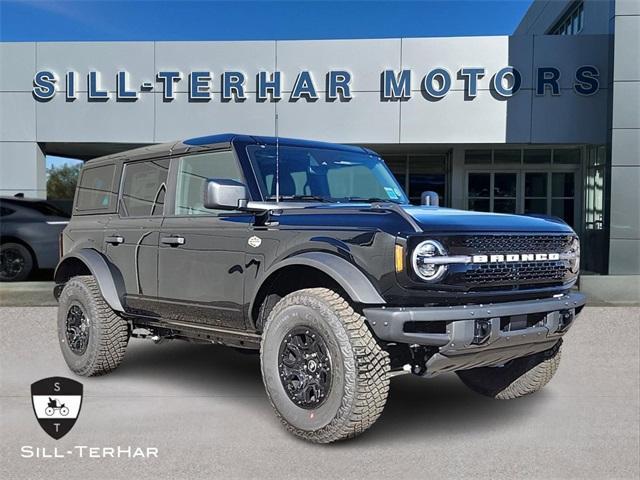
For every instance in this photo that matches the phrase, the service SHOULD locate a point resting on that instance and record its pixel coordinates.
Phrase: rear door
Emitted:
(201, 253)
(132, 236)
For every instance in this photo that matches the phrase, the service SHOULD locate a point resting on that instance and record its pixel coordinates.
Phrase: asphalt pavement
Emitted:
(205, 410)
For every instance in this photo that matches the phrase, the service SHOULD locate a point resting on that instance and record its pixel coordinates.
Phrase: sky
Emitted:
(89, 20)
(54, 20)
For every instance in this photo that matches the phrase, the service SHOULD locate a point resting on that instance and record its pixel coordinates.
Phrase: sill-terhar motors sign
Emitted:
(337, 84)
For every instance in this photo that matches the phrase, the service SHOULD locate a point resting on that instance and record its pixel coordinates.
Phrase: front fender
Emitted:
(347, 275)
(106, 274)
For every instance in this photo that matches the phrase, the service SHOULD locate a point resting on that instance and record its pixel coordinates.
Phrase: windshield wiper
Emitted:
(369, 200)
(302, 198)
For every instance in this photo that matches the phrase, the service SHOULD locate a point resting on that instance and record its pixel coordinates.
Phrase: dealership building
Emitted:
(543, 121)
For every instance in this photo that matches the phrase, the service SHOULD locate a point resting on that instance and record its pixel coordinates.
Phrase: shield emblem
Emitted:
(56, 404)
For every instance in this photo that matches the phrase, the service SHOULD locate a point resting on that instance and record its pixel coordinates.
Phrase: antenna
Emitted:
(277, 162)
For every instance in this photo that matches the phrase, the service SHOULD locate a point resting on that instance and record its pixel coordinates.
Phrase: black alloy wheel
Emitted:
(15, 262)
(305, 367)
(77, 329)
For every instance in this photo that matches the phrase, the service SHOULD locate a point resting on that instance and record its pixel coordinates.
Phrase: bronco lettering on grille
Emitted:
(515, 257)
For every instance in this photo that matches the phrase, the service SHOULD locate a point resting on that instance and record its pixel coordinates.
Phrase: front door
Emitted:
(201, 255)
(131, 237)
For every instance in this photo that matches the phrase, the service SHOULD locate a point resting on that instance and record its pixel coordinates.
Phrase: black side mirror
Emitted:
(224, 194)
(429, 198)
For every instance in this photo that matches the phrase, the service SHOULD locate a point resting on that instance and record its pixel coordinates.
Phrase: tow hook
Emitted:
(419, 356)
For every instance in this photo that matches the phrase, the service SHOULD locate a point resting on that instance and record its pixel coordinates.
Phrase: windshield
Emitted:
(318, 174)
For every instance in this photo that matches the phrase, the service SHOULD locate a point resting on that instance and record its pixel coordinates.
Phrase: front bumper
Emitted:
(469, 336)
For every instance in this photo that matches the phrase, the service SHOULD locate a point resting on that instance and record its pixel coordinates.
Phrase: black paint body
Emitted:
(215, 277)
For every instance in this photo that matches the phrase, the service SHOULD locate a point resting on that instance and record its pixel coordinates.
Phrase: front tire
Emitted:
(517, 378)
(325, 375)
(92, 336)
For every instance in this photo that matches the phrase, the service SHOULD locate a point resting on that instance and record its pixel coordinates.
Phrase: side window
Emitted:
(144, 188)
(193, 172)
(95, 189)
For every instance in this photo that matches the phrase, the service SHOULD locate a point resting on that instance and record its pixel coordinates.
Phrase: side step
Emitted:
(206, 333)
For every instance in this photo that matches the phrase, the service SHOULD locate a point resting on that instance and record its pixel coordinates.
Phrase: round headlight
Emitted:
(425, 251)
(574, 250)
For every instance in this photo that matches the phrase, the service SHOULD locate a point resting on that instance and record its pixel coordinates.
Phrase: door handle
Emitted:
(173, 241)
(114, 240)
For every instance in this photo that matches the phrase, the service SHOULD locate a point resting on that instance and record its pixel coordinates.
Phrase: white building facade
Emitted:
(543, 121)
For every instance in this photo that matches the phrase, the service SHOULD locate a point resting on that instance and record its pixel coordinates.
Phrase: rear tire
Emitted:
(350, 367)
(517, 378)
(16, 262)
(92, 337)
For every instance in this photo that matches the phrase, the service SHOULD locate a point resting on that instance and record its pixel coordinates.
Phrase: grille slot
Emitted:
(515, 273)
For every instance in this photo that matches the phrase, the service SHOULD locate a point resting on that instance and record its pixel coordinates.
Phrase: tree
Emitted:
(61, 181)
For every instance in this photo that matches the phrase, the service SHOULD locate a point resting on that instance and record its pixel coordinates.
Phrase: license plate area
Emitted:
(514, 323)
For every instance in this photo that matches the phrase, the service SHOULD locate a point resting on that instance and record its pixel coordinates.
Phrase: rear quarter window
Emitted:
(96, 190)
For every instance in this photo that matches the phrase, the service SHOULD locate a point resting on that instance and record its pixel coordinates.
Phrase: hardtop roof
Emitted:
(204, 142)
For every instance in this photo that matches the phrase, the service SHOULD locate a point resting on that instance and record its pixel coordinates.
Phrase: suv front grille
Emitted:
(515, 243)
(509, 275)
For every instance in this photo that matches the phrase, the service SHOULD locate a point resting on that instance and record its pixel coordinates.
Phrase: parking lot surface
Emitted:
(204, 409)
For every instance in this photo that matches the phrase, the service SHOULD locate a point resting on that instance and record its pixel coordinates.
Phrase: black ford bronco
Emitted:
(311, 254)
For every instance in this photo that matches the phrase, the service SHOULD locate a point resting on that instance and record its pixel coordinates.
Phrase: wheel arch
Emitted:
(87, 261)
(313, 269)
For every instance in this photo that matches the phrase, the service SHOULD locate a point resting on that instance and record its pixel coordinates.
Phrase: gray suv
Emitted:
(310, 254)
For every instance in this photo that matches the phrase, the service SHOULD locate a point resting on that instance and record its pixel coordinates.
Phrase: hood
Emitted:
(399, 217)
(432, 219)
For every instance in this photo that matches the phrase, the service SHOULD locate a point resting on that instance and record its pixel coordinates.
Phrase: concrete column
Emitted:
(624, 256)
(22, 169)
(22, 162)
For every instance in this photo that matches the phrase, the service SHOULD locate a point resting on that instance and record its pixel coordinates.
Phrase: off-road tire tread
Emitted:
(533, 380)
(372, 375)
(112, 331)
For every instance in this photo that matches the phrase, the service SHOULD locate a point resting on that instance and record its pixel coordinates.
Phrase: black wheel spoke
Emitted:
(305, 367)
(77, 329)
(11, 263)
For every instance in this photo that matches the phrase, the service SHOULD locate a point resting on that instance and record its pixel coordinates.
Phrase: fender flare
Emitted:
(109, 279)
(348, 276)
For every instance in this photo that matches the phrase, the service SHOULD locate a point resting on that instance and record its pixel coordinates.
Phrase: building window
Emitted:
(571, 22)
(492, 191)
(595, 236)
(536, 180)
(419, 173)
(518, 156)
